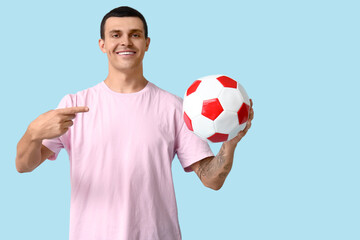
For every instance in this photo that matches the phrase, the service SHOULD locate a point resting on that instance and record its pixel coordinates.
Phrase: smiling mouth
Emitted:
(127, 53)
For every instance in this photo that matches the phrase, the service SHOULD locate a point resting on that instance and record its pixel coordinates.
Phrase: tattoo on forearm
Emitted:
(209, 168)
(223, 175)
(227, 169)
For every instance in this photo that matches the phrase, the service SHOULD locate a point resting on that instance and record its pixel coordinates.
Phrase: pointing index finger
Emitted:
(73, 110)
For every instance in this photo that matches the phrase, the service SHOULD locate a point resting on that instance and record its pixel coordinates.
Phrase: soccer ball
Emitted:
(216, 108)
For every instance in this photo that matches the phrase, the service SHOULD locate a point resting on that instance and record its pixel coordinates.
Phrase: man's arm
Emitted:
(30, 153)
(213, 171)
(54, 123)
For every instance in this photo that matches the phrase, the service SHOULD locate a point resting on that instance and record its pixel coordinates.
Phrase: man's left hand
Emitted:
(241, 134)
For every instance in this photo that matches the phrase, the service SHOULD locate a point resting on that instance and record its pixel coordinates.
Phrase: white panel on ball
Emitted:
(192, 105)
(203, 126)
(243, 94)
(226, 122)
(230, 99)
(209, 88)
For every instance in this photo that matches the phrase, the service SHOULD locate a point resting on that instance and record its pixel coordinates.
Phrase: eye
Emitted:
(136, 35)
(115, 35)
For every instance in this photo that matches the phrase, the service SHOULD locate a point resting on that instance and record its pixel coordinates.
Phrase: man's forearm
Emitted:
(28, 153)
(215, 170)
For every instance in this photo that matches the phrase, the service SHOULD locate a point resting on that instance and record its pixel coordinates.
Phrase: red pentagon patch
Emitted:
(193, 87)
(188, 122)
(211, 108)
(243, 113)
(227, 82)
(218, 137)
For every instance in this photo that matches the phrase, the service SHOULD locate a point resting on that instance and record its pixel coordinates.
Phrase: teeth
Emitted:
(126, 53)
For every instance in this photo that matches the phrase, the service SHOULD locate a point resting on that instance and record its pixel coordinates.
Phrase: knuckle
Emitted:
(58, 119)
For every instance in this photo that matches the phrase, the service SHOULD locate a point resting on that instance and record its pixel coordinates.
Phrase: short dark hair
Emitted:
(123, 11)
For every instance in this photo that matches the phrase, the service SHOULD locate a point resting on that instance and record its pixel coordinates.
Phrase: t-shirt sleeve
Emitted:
(190, 148)
(56, 144)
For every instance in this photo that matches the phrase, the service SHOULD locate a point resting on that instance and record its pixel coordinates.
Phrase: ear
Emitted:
(147, 43)
(102, 45)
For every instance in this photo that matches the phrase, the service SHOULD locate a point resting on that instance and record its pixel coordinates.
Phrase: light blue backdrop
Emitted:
(296, 173)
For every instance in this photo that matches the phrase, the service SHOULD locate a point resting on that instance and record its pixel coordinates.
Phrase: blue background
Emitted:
(295, 174)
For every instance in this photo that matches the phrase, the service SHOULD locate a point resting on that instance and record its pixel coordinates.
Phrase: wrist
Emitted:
(230, 146)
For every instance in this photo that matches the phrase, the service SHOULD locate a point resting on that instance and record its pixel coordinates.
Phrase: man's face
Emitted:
(124, 43)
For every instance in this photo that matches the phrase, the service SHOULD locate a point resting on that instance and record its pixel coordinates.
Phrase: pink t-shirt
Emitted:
(120, 154)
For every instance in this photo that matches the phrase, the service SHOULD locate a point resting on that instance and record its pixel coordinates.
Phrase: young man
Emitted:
(122, 143)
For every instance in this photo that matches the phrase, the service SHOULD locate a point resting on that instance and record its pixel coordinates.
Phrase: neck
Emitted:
(128, 81)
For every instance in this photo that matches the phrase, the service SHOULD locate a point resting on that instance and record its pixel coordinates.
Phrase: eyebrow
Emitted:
(131, 30)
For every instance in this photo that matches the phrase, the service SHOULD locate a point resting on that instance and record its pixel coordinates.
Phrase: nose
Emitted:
(125, 41)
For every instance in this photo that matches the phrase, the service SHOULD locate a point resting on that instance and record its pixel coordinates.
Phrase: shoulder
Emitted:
(72, 99)
(166, 97)
(88, 91)
(169, 108)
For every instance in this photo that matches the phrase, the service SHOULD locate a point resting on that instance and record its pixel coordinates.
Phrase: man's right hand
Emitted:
(54, 123)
